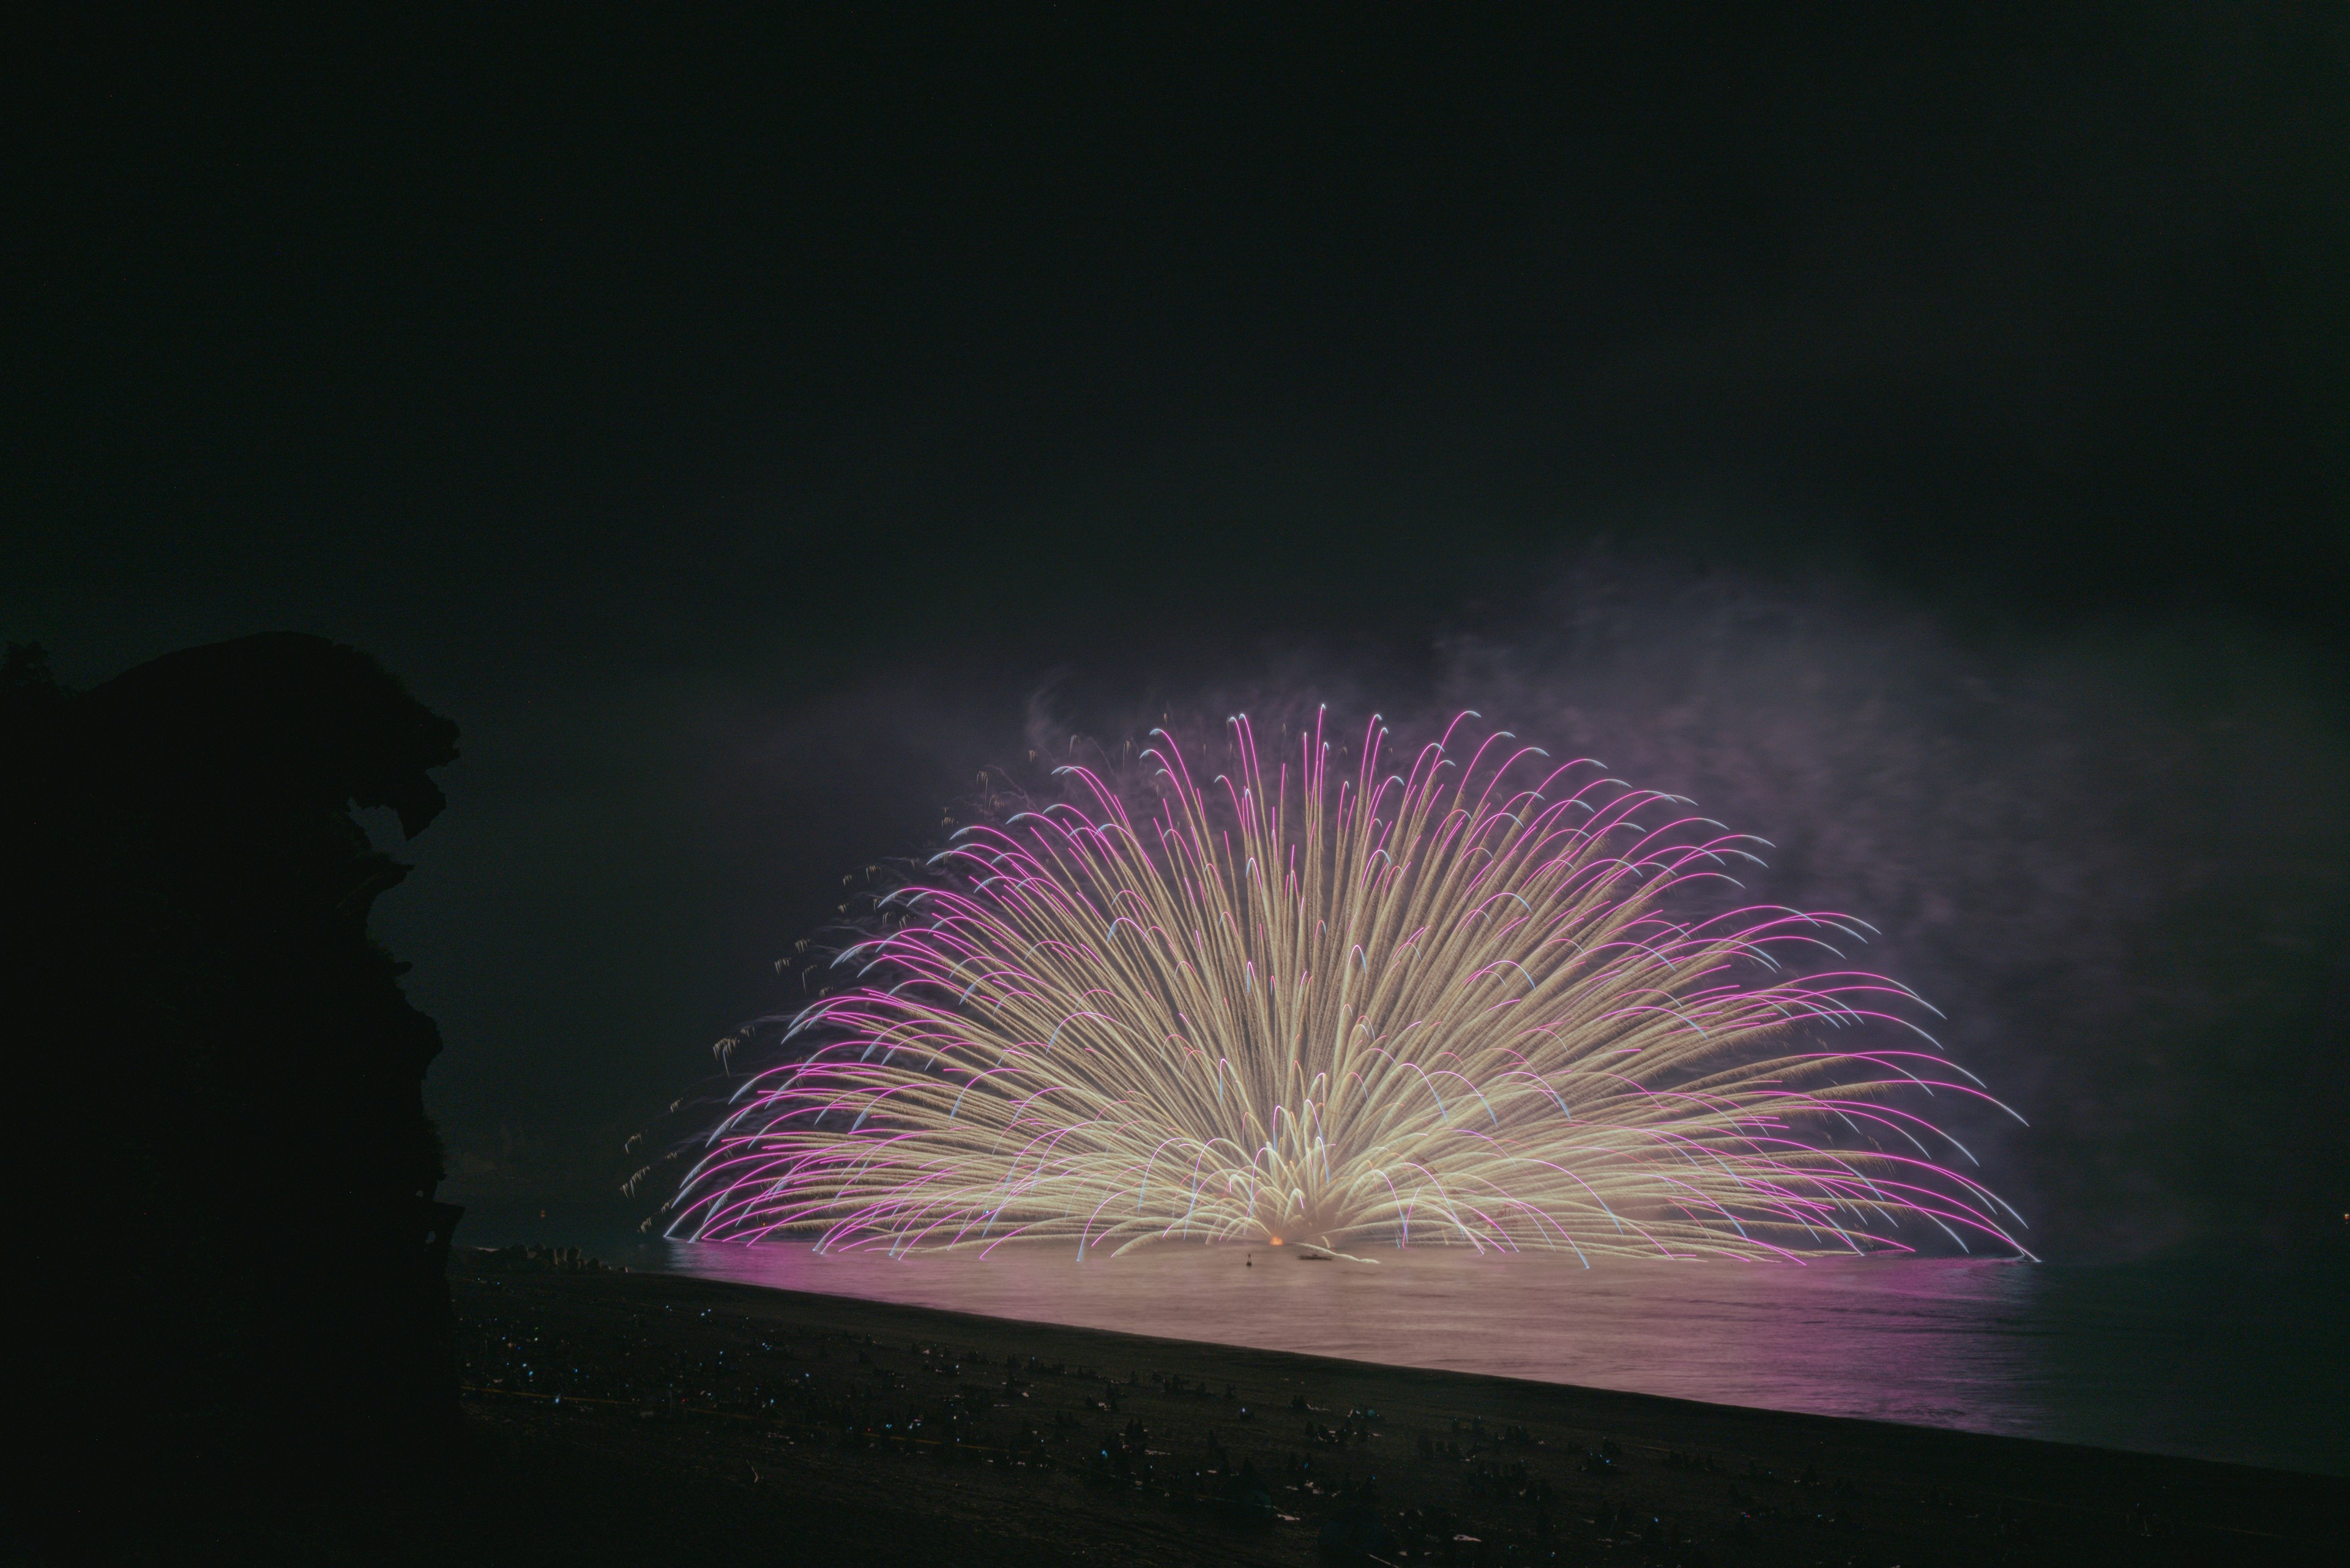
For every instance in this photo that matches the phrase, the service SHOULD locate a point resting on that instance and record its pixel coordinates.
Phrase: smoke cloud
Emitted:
(2113, 856)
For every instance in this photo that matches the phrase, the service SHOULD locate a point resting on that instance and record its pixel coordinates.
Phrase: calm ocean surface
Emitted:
(2194, 1359)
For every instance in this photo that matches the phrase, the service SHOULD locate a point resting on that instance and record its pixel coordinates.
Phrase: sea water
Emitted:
(2209, 1361)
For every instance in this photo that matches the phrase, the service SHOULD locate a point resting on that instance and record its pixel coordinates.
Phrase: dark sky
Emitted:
(1924, 438)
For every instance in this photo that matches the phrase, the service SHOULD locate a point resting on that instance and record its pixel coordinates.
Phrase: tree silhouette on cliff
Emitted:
(230, 1172)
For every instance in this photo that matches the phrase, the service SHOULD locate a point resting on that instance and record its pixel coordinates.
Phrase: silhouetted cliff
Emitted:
(220, 1082)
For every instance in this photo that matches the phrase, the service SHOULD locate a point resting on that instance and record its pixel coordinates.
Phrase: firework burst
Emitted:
(1344, 1005)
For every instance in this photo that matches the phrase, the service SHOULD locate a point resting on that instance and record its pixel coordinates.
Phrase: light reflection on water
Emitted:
(2175, 1359)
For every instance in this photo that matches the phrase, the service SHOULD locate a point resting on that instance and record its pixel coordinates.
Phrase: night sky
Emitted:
(1923, 438)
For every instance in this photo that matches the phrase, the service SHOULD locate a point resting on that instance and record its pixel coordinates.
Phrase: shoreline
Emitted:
(2189, 1361)
(1071, 1439)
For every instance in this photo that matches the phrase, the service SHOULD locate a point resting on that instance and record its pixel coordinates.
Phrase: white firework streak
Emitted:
(1447, 1006)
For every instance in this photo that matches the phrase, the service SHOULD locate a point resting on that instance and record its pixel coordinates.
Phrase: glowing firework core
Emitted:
(1441, 1007)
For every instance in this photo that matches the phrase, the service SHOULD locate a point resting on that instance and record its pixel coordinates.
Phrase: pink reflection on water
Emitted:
(1924, 1341)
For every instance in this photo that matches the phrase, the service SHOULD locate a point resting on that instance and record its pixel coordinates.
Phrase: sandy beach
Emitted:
(651, 1412)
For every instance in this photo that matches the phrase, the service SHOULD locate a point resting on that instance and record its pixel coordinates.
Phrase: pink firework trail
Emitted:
(1345, 1006)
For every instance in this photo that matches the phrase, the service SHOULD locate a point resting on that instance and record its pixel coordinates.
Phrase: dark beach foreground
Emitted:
(616, 1414)
(627, 1418)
